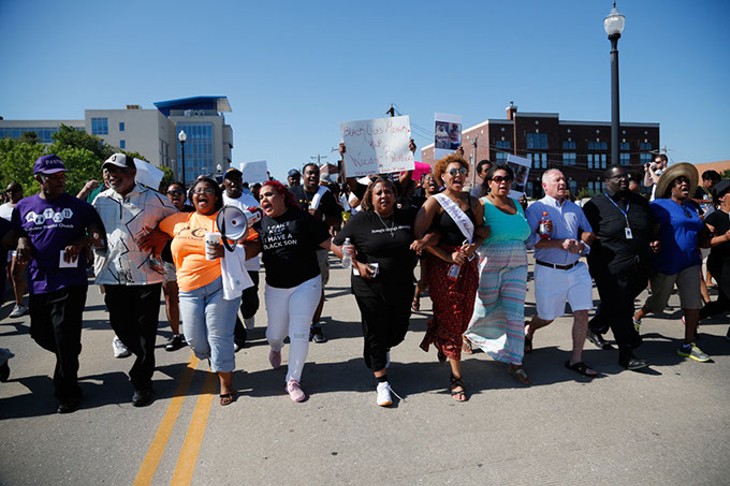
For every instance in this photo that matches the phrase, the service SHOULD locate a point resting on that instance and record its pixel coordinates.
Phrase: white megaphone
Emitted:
(233, 223)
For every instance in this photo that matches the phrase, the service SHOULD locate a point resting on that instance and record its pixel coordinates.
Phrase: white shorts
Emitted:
(553, 288)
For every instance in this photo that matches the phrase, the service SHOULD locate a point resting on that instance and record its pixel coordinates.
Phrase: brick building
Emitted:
(581, 149)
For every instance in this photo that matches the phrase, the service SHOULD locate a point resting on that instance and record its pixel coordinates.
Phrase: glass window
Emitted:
(199, 153)
(569, 145)
(121, 126)
(569, 158)
(539, 160)
(100, 126)
(503, 149)
(645, 156)
(537, 141)
(122, 144)
(625, 158)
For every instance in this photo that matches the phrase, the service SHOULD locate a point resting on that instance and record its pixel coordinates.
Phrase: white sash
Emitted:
(460, 217)
(314, 204)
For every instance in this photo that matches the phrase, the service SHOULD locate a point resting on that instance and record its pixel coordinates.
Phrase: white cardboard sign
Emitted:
(377, 146)
(254, 172)
(148, 174)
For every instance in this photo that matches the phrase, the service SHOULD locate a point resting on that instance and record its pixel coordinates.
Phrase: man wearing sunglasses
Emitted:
(130, 271)
(620, 262)
(560, 276)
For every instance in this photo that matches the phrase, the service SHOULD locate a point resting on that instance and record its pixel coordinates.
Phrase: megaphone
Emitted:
(233, 223)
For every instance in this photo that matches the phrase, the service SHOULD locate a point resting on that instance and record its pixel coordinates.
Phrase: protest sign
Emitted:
(447, 134)
(254, 172)
(148, 174)
(521, 168)
(377, 146)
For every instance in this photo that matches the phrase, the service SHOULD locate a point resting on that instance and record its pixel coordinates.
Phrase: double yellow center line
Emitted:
(194, 438)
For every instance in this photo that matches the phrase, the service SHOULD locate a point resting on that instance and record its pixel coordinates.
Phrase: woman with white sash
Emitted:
(452, 272)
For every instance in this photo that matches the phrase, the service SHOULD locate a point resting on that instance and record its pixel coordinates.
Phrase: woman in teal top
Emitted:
(497, 323)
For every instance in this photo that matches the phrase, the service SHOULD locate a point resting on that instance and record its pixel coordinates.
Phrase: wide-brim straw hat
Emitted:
(677, 170)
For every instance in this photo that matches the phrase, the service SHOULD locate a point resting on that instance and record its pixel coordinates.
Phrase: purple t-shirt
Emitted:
(51, 226)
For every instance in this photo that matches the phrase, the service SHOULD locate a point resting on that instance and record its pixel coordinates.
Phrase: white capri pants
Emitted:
(290, 313)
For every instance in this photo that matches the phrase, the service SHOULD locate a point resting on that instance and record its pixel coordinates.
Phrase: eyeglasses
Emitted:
(499, 179)
(175, 192)
(204, 190)
(460, 170)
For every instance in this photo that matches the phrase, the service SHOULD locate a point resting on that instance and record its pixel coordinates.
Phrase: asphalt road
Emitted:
(668, 425)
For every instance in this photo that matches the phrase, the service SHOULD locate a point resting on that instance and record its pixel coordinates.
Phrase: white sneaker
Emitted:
(249, 323)
(18, 311)
(294, 389)
(384, 398)
(120, 350)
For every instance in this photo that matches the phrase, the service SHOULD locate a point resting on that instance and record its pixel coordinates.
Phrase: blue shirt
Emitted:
(679, 230)
(568, 222)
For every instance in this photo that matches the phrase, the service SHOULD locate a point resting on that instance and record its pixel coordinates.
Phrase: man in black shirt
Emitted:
(623, 225)
(322, 204)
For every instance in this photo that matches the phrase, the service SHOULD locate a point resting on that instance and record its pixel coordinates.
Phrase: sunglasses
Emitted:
(499, 179)
(175, 192)
(461, 170)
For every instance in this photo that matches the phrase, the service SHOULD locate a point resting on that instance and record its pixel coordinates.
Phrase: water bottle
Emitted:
(544, 228)
(346, 259)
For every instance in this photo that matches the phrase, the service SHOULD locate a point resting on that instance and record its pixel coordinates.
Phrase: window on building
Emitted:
(539, 160)
(122, 144)
(573, 187)
(503, 148)
(596, 161)
(199, 152)
(596, 146)
(645, 156)
(569, 145)
(569, 158)
(596, 187)
(537, 141)
(100, 126)
(625, 158)
(121, 126)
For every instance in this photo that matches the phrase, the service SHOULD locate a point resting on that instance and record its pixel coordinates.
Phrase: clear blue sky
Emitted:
(293, 70)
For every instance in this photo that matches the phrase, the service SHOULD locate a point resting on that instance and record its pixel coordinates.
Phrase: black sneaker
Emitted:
(177, 341)
(142, 398)
(316, 335)
(4, 372)
(69, 406)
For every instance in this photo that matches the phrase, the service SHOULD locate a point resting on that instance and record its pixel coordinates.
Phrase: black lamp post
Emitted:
(614, 26)
(182, 137)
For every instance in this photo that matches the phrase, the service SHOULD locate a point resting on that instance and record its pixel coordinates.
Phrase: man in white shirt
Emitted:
(233, 196)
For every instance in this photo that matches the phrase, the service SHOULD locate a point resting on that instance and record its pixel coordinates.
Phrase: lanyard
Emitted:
(625, 213)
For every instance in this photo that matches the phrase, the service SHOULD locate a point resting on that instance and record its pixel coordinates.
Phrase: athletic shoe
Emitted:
(249, 323)
(294, 389)
(691, 351)
(177, 341)
(69, 406)
(275, 359)
(120, 350)
(315, 334)
(637, 324)
(384, 398)
(18, 311)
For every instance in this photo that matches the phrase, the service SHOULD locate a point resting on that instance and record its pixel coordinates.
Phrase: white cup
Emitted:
(212, 240)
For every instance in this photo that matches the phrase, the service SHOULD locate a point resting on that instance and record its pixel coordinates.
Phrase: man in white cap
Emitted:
(131, 273)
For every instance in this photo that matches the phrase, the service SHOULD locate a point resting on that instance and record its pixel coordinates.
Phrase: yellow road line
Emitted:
(194, 439)
(147, 470)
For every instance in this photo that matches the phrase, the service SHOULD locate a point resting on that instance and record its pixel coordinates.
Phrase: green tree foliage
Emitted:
(726, 174)
(82, 153)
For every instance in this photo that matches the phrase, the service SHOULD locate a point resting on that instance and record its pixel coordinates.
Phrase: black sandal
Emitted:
(227, 398)
(458, 395)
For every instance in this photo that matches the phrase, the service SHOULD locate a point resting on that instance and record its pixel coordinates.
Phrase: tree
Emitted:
(16, 163)
(29, 137)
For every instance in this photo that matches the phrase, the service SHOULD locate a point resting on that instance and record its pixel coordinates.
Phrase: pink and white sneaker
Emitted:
(294, 389)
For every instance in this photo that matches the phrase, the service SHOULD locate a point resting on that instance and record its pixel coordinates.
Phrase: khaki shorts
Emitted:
(324, 266)
(688, 286)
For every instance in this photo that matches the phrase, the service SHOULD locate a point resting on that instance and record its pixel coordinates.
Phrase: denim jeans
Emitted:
(208, 320)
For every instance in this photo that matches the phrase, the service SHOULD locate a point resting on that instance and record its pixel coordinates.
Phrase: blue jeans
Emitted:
(208, 321)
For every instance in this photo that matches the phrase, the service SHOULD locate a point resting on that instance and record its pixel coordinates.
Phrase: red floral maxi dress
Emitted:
(453, 300)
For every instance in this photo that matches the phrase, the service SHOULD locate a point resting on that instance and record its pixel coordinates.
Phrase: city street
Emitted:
(668, 425)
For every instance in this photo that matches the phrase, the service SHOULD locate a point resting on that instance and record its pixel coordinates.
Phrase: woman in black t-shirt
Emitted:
(718, 263)
(290, 238)
(382, 279)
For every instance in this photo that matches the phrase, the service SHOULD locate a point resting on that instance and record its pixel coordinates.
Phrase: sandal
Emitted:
(528, 344)
(227, 398)
(466, 345)
(519, 373)
(581, 368)
(458, 395)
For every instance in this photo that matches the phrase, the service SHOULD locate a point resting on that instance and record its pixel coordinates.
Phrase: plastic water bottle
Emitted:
(544, 228)
(346, 259)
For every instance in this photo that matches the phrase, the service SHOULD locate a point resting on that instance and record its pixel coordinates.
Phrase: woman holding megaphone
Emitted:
(208, 317)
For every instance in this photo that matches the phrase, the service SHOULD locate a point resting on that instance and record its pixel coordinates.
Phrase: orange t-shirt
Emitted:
(188, 248)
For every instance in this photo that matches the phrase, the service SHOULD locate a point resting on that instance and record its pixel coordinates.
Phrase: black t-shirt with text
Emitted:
(328, 206)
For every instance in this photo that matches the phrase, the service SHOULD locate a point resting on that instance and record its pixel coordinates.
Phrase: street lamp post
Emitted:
(182, 137)
(614, 26)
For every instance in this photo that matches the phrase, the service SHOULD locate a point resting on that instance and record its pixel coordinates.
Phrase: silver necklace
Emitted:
(391, 229)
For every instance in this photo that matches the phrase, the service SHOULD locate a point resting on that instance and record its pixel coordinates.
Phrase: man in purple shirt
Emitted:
(53, 230)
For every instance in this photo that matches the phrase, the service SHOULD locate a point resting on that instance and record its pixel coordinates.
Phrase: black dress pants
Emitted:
(249, 306)
(55, 324)
(618, 292)
(134, 313)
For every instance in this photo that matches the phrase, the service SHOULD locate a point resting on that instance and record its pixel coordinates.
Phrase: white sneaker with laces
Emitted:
(120, 350)
(249, 323)
(18, 311)
(384, 398)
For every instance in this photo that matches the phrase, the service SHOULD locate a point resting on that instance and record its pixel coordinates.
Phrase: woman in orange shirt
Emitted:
(208, 319)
